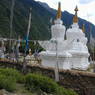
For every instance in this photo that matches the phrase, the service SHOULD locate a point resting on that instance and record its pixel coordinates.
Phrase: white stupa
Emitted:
(2, 50)
(69, 53)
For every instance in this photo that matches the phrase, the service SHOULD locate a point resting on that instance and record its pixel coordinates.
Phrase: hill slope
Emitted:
(40, 19)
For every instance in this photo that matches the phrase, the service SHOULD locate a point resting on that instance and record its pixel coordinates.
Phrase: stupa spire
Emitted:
(75, 18)
(59, 11)
(83, 28)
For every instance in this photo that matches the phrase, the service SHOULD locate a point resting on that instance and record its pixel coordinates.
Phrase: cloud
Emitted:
(85, 1)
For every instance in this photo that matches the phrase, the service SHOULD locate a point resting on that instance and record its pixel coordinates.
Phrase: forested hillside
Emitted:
(40, 23)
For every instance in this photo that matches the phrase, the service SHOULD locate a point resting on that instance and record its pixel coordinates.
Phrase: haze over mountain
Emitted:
(41, 15)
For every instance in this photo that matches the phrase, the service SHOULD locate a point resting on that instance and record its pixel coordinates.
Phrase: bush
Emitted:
(12, 73)
(36, 82)
(7, 83)
(63, 91)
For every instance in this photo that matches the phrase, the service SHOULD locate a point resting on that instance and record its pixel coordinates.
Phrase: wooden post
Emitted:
(28, 30)
(56, 64)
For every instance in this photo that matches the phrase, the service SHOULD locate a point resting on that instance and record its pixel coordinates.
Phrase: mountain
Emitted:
(67, 19)
(40, 23)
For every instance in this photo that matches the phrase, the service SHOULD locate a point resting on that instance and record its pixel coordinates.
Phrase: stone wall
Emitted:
(80, 81)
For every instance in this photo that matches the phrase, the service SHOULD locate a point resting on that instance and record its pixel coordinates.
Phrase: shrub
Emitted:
(34, 82)
(38, 82)
(7, 83)
(12, 73)
(63, 91)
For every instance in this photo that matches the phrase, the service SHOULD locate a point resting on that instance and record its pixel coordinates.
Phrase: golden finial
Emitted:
(75, 18)
(83, 28)
(76, 10)
(59, 11)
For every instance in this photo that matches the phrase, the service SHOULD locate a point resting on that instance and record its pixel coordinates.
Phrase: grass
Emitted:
(31, 84)
(20, 89)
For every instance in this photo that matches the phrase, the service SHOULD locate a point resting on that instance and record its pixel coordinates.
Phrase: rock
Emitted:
(4, 92)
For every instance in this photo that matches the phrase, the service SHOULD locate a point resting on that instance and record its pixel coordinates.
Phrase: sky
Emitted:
(86, 7)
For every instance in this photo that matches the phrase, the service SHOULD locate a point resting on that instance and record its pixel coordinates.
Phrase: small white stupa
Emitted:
(2, 50)
(69, 53)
